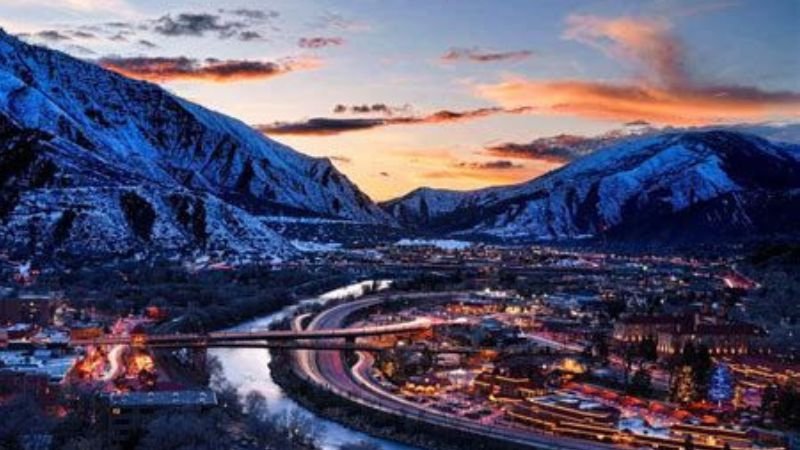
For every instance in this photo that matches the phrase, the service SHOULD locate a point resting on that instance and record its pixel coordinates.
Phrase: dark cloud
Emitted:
(191, 24)
(250, 35)
(240, 23)
(321, 126)
(375, 108)
(476, 55)
(331, 20)
(243, 24)
(119, 25)
(52, 35)
(80, 49)
(81, 34)
(253, 14)
(500, 164)
(384, 174)
(119, 37)
(146, 43)
(162, 69)
(637, 123)
(319, 42)
(560, 148)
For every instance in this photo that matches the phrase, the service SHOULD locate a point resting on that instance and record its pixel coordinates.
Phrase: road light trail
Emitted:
(326, 369)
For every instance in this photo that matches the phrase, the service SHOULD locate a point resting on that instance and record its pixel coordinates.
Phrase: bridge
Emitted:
(320, 345)
(266, 338)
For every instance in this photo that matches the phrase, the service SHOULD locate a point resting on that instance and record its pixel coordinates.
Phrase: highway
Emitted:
(327, 369)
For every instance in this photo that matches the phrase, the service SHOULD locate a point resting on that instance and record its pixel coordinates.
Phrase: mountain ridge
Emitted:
(656, 175)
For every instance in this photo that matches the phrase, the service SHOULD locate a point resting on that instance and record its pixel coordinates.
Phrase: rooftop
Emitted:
(164, 398)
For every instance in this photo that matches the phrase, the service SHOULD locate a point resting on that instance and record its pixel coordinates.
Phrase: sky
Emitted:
(449, 94)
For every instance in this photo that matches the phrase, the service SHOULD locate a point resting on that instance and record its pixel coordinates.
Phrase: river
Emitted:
(248, 370)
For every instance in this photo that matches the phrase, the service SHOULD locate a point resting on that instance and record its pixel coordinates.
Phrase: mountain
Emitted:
(424, 205)
(93, 161)
(672, 187)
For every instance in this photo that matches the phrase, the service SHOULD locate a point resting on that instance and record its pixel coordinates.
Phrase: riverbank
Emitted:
(375, 423)
(248, 370)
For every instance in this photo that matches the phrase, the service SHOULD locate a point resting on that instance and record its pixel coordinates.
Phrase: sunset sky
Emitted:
(401, 94)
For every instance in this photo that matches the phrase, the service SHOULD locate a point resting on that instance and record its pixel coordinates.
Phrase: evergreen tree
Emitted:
(641, 383)
(702, 366)
(721, 387)
(648, 349)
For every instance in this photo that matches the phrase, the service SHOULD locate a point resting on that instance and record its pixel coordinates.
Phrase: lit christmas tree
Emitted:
(738, 397)
(683, 389)
(721, 387)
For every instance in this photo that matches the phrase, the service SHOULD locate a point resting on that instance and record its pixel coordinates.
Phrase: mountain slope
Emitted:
(96, 135)
(675, 186)
(56, 197)
(423, 205)
(144, 128)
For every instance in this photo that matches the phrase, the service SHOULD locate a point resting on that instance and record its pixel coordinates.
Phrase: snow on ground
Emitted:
(444, 244)
(311, 247)
(357, 290)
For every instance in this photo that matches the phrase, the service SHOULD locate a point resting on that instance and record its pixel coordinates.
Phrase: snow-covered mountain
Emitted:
(424, 205)
(91, 158)
(673, 187)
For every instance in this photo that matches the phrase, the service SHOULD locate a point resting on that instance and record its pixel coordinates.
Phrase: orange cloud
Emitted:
(678, 106)
(664, 93)
(454, 173)
(165, 69)
(646, 42)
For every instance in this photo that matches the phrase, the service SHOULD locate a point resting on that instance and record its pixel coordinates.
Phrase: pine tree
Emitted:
(721, 387)
(641, 383)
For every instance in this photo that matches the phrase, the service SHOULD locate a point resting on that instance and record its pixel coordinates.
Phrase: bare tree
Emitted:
(183, 431)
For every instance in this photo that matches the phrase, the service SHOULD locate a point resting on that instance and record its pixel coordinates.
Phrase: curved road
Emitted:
(327, 369)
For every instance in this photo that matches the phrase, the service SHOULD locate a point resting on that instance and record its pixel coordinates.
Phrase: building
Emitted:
(637, 328)
(720, 339)
(672, 333)
(85, 331)
(126, 413)
(567, 416)
(499, 387)
(35, 309)
(39, 374)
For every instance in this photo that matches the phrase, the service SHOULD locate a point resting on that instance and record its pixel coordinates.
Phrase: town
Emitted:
(516, 346)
